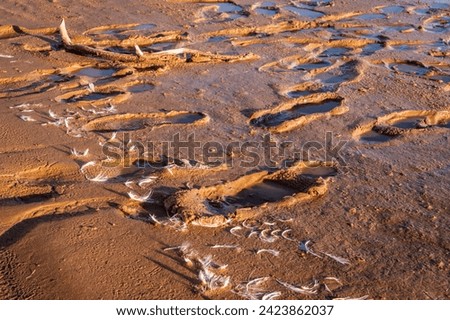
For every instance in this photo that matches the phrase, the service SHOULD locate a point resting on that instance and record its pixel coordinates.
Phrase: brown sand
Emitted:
(369, 222)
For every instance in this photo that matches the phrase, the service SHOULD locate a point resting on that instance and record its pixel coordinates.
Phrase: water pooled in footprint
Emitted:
(335, 52)
(439, 24)
(336, 77)
(162, 46)
(308, 13)
(267, 9)
(94, 96)
(145, 26)
(217, 39)
(267, 191)
(374, 137)
(371, 49)
(404, 47)
(299, 93)
(312, 66)
(300, 110)
(95, 72)
(409, 68)
(371, 16)
(143, 87)
(393, 9)
(409, 123)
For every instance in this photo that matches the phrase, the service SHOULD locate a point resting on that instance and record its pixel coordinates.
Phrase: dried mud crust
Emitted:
(239, 199)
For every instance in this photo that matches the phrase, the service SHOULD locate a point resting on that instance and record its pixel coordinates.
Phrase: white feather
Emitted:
(129, 183)
(86, 165)
(224, 246)
(101, 177)
(111, 109)
(338, 259)
(213, 281)
(26, 118)
(271, 295)
(276, 253)
(144, 198)
(52, 114)
(284, 235)
(234, 233)
(20, 106)
(265, 237)
(91, 87)
(76, 153)
(303, 290)
(138, 51)
(304, 246)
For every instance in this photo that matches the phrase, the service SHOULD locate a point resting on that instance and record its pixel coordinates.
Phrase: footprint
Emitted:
(236, 199)
(341, 72)
(302, 90)
(437, 23)
(299, 112)
(402, 123)
(139, 121)
(35, 82)
(99, 96)
(440, 73)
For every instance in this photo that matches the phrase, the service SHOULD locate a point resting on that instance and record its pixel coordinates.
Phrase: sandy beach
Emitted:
(189, 149)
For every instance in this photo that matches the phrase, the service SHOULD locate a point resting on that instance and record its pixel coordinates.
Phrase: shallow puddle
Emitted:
(371, 49)
(267, 191)
(299, 93)
(330, 78)
(145, 26)
(439, 25)
(95, 72)
(371, 16)
(140, 88)
(409, 68)
(266, 12)
(312, 66)
(305, 12)
(393, 9)
(335, 52)
(162, 46)
(374, 137)
(217, 39)
(92, 97)
(408, 123)
(228, 7)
